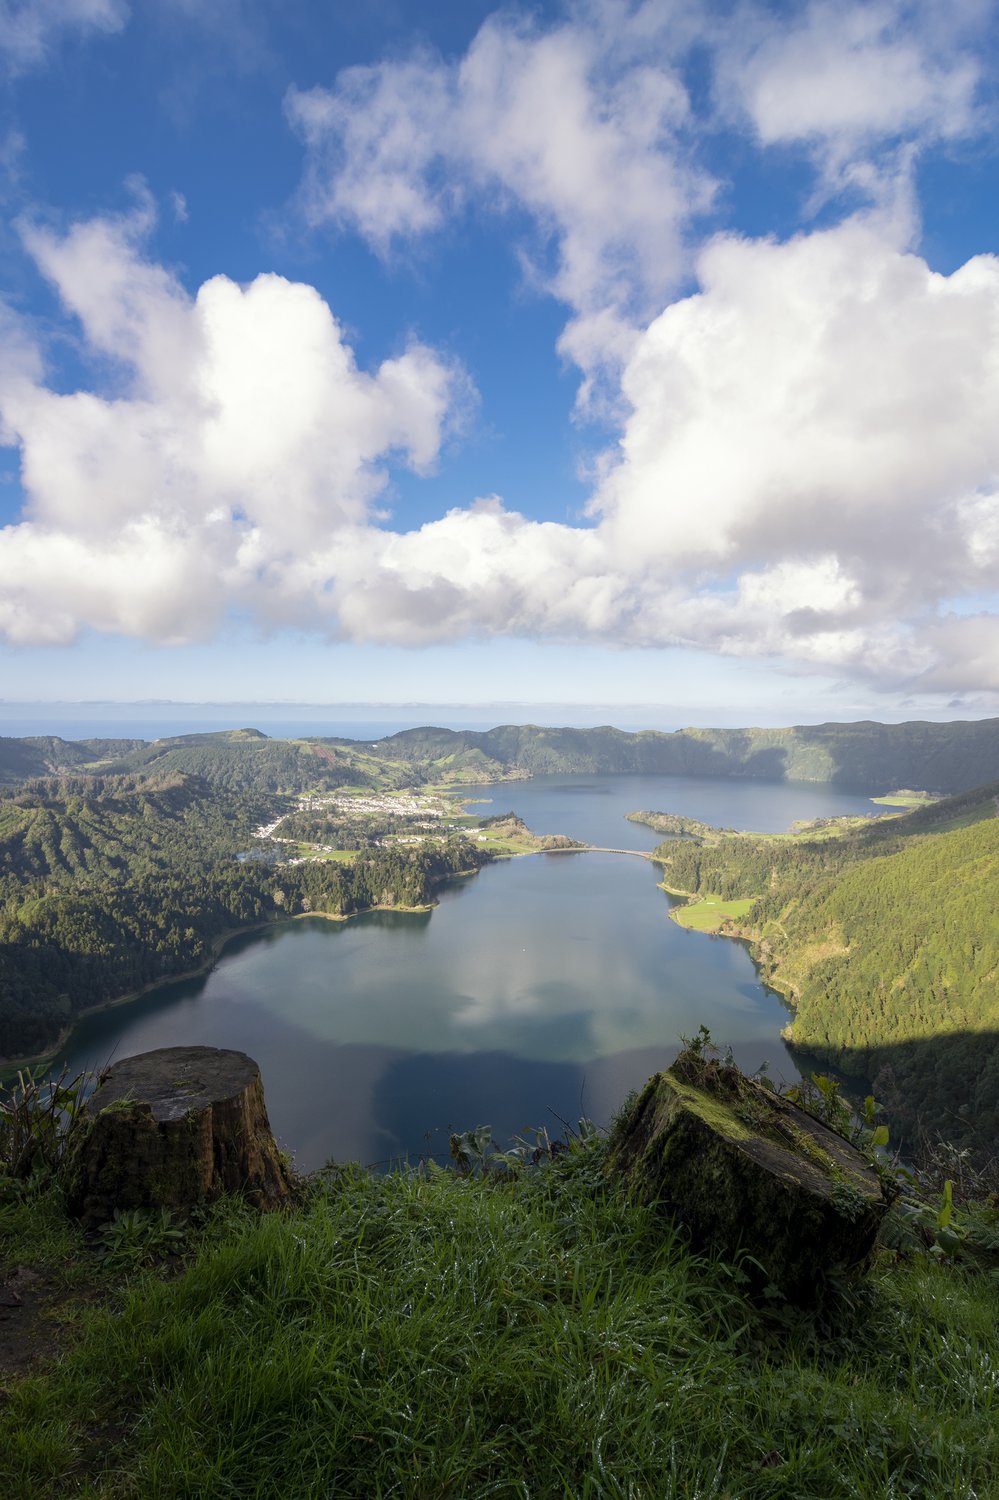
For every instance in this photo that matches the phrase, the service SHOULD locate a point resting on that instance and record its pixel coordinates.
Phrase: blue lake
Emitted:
(543, 988)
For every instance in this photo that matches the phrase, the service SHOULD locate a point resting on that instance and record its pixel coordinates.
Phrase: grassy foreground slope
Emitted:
(886, 942)
(431, 1336)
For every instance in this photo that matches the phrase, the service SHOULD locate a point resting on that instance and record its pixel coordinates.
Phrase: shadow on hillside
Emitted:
(943, 1087)
(883, 757)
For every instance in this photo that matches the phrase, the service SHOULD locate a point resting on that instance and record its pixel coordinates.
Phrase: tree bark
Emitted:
(748, 1171)
(174, 1128)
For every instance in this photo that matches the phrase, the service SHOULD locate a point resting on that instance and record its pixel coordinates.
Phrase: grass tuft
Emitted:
(432, 1336)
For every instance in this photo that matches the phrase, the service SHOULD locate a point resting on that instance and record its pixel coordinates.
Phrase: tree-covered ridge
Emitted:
(884, 940)
(48, 755)
(247, 761)
(242, 760)
(119, 827)
(865, 757)
(108, 884)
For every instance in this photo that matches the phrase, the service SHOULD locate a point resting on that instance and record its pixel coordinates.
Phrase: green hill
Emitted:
(429, 1335)
(244, 760)
(866, 756)
(886, 943)
(110, 883)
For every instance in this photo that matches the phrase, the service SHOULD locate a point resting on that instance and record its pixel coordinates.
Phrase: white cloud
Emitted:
(854, 73)
(572, 124)
(860, 85)
(810, 466)
(809, 469)
(243, 437)
(30, 28)
(588, 126)
(829, 395)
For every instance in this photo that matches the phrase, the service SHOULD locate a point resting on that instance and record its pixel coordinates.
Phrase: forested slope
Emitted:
(112, 883)
(886, 941)
(48, 755)
(244, 760)
(866, 756)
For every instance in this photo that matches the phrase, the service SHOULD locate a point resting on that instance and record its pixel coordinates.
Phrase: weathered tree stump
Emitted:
(747, 1170)
(172, 1129)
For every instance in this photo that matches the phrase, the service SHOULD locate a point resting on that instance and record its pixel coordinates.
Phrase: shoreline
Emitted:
(783, 988)
(39, 1059)
(44, 1059)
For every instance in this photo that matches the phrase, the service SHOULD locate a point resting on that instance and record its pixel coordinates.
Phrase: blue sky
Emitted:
(612, 353)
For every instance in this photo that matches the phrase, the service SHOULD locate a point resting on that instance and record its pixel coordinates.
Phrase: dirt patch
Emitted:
(36, 1311)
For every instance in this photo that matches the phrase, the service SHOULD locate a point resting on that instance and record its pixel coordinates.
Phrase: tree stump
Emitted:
(747, 1170)
(174, 1128)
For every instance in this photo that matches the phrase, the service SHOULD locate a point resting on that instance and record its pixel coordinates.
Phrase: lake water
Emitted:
(542, 988)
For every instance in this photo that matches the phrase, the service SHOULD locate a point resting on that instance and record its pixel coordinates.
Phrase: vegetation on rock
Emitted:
(744, 1169)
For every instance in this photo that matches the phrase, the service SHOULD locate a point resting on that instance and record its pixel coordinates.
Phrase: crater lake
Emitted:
(539, 990)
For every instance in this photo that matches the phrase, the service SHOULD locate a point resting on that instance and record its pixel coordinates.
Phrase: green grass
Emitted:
(309, 851)
(444, 1338)
(499, 844)
(905, 799)
(709, 913)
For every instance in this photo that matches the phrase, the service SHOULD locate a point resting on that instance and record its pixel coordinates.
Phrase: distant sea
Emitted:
(158, 729)
(19, 721)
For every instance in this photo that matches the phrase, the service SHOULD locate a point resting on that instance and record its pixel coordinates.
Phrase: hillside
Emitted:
(886, 943)
(47, 755)
(865, 757)
(244, 760)
(430, 1335)
(110, 883)
(236, 760)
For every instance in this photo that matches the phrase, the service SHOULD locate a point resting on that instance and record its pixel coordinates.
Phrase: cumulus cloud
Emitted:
(30, 28)
(589, 126)
(571, 123)
(831, 394)
(241, 434)
(848, 76)
(809, 468)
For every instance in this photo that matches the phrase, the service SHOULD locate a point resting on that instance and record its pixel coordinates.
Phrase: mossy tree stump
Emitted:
(747, 1170)
(172, 1129)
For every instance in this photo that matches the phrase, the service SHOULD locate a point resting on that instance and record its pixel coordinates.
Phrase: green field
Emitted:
(309, 851)
(904, 799)
(710, 912)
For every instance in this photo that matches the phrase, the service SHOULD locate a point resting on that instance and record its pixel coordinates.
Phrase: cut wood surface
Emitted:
(174, 1128)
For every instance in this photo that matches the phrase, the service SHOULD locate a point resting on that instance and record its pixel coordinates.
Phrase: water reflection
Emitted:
(542, 987)
(545, 986)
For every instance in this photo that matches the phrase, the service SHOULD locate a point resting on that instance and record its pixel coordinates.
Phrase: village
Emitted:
(379, 819)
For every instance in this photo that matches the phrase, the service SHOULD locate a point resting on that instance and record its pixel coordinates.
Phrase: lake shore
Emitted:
(11, 1065)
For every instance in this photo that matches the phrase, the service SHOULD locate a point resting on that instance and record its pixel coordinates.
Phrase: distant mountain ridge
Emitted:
(863, 757)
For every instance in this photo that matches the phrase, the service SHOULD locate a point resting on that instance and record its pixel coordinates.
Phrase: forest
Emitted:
(125, 869)
(884, 940)
(110, 883)
(864, 757)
